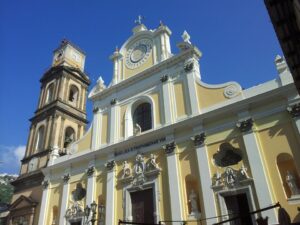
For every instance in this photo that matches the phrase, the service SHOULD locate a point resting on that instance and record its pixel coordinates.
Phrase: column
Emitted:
(91, 180)
(166, 99)
(174, 182)
(190, 76)
(44, 203)
(259, 175)
(110, 190)
(205, 178)
(96, 133)
(64, 200)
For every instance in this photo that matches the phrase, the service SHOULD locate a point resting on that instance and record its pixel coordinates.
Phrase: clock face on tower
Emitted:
(138, 53)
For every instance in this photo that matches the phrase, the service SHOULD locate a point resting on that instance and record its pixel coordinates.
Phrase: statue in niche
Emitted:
(79, 193)
(244, 172)
(230, 177)
(194, 204)
(291, 182)
(152, 165)
(126, 170)
(137, 129)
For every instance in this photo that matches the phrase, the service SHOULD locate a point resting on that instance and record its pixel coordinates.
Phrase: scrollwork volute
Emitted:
(90, 171)
(294, 110)
(245, 125)
(66, 178)
(170, 147)
(199, 139)
(110, 165)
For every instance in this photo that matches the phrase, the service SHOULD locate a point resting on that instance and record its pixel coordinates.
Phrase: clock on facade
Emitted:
(138, 53)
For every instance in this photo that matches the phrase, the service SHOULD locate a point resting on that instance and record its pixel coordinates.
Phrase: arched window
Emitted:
(289, 175)
(50, 93)
(142, 118)
(40, 139)
(73, 94)
(69, 136)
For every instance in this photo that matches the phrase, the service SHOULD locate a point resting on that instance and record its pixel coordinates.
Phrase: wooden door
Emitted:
(142, 206)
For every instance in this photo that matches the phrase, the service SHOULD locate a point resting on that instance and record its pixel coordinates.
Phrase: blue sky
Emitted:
(236, 38)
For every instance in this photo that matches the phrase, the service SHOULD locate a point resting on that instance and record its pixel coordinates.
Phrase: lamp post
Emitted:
(88, 210)
(101, 210)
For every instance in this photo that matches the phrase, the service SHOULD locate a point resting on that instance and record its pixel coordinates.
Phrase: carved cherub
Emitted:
(126, 169)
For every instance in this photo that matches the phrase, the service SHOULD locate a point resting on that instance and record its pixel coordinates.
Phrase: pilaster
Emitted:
(174, 182)
(208, 197)
(166, 91)
(44, 203)
(65, 199)
(259, 174)
(110, 190)
(91, 180)
(113, 121)
(96, 138)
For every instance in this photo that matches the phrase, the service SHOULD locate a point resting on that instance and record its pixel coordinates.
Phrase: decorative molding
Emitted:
(188, 66)
(66, 178)
(110, 165)
(45, 184)
(74, 212)
(227, 155)
(245, 125)
(232, 90)
(96, 109)
(164, 78)
(294, 110)
(230, 178)
(141, 171)
(170, 147)
(90, 171)
(113, 101)
(199, 139)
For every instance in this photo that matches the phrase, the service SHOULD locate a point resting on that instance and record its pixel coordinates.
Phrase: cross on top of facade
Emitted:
(138, 21)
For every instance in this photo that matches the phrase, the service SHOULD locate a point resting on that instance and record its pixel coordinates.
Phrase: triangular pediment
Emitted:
(23, 202)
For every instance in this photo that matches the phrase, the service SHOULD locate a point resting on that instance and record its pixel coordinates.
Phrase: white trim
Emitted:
(130, 110)
(113, 121)
(91, 181)
(240, 190)
(96, 127)
(64, 204)
(262, 188)
(110, 198)
(44, 206)
(192, 93)
(127, 199)
(205, 182)
(174, 187)
(168, 115)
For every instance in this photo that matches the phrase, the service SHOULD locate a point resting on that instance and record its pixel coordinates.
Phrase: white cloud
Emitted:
(10, 157)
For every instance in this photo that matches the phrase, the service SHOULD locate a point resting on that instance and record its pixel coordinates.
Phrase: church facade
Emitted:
(165, 147)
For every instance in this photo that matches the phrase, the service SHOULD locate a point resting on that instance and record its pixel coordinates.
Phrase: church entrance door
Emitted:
(237, 205)
(76, 223)
(142, 206)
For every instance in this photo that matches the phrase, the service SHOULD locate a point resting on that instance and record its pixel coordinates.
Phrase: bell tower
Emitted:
(59, 120)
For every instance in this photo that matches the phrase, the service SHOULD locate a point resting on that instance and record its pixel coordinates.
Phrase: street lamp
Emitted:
(88, 210)
(101, 210)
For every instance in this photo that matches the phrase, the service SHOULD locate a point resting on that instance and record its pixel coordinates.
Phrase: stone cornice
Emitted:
(52, 71)
(38, 154)
(172, 61)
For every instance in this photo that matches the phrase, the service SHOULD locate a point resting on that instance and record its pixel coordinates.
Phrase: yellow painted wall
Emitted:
(155, 97)
(189, 172)
(85, 142)
(209, 96)
(180, 99)
(276, 136)
(130, 72)
(55, 197)
(104, 129)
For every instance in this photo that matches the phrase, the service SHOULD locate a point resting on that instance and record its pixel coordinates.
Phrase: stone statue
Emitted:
(137, 129)
(243, 171)
(126, 169)
(218, 179)
(230, 178)
(193, 202)
(291, 182)
(152, 165)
